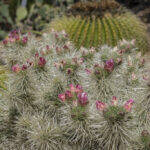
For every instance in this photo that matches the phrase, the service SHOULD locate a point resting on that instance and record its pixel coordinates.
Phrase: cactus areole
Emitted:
(91, 24)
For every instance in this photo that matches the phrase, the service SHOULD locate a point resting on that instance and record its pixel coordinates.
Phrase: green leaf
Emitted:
(21, 13)
(4, 10)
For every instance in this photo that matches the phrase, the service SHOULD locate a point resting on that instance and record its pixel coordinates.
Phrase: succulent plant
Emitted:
(50, 104)
(97, 23)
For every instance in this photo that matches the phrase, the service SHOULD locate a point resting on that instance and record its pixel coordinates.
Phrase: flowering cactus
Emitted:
(52, 90)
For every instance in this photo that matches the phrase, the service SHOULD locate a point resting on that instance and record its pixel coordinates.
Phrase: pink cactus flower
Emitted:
(62, 97)
(145, 77)
(36, 54)
(128, 105)
(47, 47)
(11, 39)
(72, 88)
(42, 62)
(82, 99)
(24, 67)
(114, 101)
(56, 35)
(81, 60)
(5, 42)
(65, 47)
(79, 89)
(29, 33)
(17, 38)
(109, 65)
(63, 62)
(24, 39)
(142, 61)
(57, 65)
(119, 61)
(88, 71)
(16, 68)
(133, 76)
(69, 71)
(58, 50)
(100, 105)
(68, 94)
(75, 60)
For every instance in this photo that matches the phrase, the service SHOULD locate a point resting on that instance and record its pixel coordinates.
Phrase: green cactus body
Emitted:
(92, 29)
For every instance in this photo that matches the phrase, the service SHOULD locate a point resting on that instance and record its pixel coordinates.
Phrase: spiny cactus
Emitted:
(59, 97)
(98, 23)
(2, 78)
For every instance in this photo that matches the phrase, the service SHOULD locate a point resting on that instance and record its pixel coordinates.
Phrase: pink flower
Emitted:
(36, 54)
(119, 61)
(100, 105)
(42, 62)
(47, 47)
(68, 94)
(82, 99)
(69, 70)
(65, 47)
(72, 88)
(79, 89)
(30, 63)
(133, 76)
(62, 97)
(81, 60)
(63, 62)
(142, 61)
(57, 65)
(88, 71)
(114, 101)
(24, 39)
(11, 39)
(56, 35)
(109, 65)
(128, 105)
(145, 77)
(16, 68)
(58, 50)
(24, 67)
(5, 42)
(75, 60)
(17, 38)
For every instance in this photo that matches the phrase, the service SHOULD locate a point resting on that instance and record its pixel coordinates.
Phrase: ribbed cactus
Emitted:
(93, 24)
(59, 98)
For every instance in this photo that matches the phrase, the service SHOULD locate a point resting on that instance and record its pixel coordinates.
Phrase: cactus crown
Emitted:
(95, 8)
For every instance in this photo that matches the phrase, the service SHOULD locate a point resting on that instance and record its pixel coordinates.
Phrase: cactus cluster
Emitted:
(62, 98)
(92, 24)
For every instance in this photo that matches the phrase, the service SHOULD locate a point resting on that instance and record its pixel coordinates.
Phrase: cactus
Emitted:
(97, 23)
(2, 78)
(62, 98)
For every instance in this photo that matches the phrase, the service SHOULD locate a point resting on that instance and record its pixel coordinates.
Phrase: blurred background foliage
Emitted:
(33, 15)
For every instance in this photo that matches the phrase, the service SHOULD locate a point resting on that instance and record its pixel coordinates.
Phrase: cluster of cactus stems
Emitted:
(62, 98)
(95, 29)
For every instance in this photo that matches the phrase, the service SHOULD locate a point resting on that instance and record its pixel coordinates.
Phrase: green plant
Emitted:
(45, 107)
(98, 23)
(5, 20)
(39, 15)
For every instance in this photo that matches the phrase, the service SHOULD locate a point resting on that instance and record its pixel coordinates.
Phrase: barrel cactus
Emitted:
(91, 24)
(60, 98)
